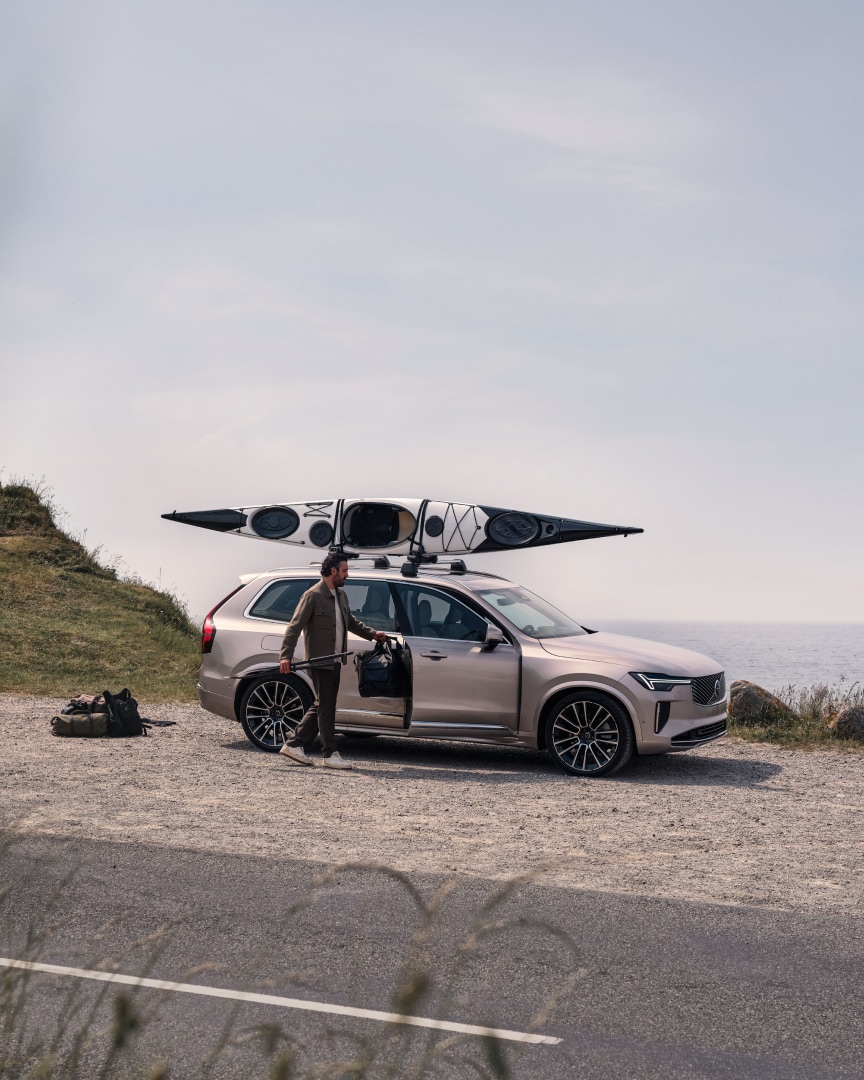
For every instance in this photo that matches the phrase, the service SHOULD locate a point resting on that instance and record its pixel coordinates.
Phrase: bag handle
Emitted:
(91, 708)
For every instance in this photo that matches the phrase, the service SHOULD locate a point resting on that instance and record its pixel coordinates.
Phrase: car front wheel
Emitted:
(271, 708)
(589, 734)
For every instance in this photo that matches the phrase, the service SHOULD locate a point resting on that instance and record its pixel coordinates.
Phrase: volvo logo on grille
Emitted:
(717, 688)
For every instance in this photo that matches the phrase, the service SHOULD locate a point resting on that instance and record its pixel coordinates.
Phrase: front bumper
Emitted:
(698, 736)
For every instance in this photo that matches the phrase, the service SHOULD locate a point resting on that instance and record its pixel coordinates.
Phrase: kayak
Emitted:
(385, 526)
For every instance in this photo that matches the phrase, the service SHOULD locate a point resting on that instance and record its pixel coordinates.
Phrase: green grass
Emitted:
(812, 712)
(70, 625)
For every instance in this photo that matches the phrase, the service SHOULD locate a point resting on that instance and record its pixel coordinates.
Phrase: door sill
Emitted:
(440, 725)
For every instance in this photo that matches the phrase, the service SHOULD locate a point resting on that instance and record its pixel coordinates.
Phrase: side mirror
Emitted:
(494, 636)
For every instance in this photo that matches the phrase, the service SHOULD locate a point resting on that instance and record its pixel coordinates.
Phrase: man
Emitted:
(324, 616)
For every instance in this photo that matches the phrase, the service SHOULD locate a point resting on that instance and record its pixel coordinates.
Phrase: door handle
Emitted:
(434, 655)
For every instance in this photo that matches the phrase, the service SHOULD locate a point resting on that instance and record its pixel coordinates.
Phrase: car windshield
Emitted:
(529, 613)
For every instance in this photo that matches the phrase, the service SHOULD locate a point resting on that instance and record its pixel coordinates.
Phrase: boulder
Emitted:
(750, 706)
(849, 721)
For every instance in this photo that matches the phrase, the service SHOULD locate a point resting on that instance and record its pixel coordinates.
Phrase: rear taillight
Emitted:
(208, 630)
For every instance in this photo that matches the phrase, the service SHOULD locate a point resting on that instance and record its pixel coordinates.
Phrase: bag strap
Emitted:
(91, 708)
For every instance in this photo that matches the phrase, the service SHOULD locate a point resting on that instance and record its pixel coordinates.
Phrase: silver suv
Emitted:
(489, 662)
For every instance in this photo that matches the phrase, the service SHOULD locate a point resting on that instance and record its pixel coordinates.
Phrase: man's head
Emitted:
(334, 570)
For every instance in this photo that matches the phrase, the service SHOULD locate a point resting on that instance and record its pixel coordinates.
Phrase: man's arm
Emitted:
(293, 631)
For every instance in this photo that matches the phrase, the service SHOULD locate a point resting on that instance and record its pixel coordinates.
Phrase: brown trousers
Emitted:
(320, 717)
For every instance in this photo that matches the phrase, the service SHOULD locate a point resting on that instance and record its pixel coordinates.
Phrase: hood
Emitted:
(636, 654)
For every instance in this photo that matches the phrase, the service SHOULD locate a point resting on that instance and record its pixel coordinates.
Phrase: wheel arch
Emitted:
(560, 692)
(248, 677)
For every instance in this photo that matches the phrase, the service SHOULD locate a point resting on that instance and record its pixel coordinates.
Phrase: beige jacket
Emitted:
(316, 618)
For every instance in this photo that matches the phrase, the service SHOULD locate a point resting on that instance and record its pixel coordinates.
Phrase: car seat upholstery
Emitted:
(375, 609)
(424, 620)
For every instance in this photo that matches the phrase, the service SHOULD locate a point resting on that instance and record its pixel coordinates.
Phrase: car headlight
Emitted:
(655, 680)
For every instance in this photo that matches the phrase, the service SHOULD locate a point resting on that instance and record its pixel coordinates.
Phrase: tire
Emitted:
(271, 708)
(589, 734)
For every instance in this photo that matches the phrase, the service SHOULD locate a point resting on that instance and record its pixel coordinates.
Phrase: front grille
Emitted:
(700, 734)
(708, 689)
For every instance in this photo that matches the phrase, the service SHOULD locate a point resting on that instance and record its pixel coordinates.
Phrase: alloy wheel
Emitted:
(585, 736)
(272, 709)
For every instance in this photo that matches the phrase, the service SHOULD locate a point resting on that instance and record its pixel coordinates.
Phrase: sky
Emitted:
(601, 261)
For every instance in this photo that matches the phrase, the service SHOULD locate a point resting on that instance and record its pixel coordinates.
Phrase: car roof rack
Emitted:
(420, 558)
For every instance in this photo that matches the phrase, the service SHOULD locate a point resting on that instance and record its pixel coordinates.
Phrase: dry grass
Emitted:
(69, 624)
(813, 712)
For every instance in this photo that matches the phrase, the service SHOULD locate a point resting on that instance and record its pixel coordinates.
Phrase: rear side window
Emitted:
(279, 600)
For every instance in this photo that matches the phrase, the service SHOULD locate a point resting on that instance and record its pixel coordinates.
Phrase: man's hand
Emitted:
(285, 667)
(380, 636)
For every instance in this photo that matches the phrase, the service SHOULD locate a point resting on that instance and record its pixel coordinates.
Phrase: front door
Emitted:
(458, 684)
(372, 603)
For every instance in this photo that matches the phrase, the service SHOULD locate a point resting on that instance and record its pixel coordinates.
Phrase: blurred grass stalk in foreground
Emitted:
(103, 1033)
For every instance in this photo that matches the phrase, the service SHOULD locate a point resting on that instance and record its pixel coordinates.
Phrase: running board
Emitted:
(473, 733)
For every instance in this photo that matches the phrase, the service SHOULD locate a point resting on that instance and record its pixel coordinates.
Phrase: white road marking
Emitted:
(283, 1002)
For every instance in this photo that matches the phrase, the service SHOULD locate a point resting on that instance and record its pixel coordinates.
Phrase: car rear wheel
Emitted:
(589, 734)
(271, 708)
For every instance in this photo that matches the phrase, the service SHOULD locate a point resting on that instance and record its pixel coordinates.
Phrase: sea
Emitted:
(773, 655)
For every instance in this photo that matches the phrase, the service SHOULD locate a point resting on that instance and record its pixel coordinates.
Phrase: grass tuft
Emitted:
(809, 724)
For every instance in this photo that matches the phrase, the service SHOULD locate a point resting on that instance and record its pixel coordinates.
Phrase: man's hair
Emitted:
(334, 559)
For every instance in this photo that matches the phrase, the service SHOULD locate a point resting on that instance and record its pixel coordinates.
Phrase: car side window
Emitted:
(279, 600)
(435, 614)
(372, 603)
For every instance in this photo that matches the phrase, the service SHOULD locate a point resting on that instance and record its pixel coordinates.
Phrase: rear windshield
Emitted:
(529, 613)
(279, 599)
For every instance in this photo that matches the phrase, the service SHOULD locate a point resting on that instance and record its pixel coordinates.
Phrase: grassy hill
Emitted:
(69, 625)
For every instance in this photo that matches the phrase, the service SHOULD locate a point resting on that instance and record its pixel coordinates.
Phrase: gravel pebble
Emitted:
(731, 823)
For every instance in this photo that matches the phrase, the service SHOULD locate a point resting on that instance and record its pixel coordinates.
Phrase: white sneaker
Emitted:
(296, 753)
(336, 761)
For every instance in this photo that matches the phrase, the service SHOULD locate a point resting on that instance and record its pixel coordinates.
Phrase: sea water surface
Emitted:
(774, 655)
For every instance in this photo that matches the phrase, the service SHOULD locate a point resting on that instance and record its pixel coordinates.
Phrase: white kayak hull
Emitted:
(397, 526)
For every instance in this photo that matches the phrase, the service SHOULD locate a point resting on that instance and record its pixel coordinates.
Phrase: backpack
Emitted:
(381, 672)
(125, 720)
(115, 715)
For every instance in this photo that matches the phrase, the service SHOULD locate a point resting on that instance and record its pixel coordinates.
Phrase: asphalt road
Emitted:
(659, 988)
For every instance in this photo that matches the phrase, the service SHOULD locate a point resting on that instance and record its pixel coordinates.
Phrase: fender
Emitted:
(245, 676)
(590, 683)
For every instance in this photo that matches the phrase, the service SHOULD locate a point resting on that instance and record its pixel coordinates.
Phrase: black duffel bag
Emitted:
(381, 671)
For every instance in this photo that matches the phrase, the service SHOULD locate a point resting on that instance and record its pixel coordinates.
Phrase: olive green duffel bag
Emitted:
(89, 724)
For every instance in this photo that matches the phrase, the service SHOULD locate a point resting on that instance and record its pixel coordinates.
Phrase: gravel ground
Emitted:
(732, 823)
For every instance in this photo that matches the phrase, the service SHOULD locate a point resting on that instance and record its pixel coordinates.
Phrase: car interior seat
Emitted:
(424, 620)
(375, 609)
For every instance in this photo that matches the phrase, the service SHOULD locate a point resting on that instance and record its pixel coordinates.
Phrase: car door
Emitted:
(458, 685)
(372, 603)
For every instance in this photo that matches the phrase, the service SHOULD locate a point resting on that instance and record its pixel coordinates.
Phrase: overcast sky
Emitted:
(596, 260)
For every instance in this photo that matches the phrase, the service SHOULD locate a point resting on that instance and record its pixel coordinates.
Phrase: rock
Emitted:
(750, 705)
(849, 721)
